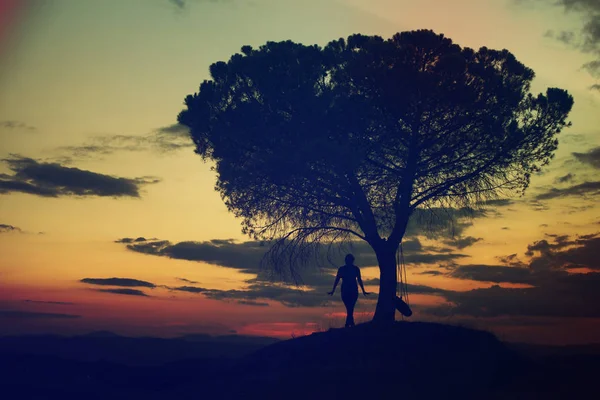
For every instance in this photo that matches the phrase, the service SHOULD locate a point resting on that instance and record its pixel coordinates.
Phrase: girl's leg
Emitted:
(350, 310)
(349, 301)
(348, 306)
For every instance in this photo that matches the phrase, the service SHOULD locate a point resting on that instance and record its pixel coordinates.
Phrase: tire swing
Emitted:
(402, 302)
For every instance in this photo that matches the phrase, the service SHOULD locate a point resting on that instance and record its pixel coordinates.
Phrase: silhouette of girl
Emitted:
(349, 274)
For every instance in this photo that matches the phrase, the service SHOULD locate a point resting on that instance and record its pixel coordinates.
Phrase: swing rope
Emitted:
(401, 279)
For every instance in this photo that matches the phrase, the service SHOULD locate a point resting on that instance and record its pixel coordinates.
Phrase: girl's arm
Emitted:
(360, 282)
(337, 279)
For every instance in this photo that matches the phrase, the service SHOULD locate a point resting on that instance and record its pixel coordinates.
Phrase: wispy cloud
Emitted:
(565, 178)
(253, 303)
(16, 125)
(132, 240)
(58, 303)
(4, 228)
(187, 281)
(166, 139)
(17, 314)
(463, 242)
(127, 292)
(585, 189)
(181, 4)
(126, 282)
(288, 296)
(590, 157)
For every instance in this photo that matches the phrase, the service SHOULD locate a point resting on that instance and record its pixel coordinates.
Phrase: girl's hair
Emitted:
(349, 258)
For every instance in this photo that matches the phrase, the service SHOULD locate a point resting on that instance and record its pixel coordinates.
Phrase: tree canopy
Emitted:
(347, 140)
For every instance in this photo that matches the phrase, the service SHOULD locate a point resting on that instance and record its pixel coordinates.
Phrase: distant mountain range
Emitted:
(108, 346)
(407, 360)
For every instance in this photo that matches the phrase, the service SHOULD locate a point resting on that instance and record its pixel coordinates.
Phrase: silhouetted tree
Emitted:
(319, 144)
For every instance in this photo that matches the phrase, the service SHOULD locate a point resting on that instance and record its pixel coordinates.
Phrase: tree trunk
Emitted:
(386, 306)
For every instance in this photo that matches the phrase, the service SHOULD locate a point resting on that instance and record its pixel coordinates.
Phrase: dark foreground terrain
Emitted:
(404, 360)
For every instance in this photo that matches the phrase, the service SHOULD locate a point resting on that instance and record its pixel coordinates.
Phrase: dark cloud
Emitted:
(16, 125)
(88, 150)
(433, 258)
(563, 36)
(590, 32)
(554, 291)
(580, 190)
(593, 68)
(499, 203)
(571, 209)
(573, 138)
(415, 253)
(412, 289)
(189, 289)
(511, 260)
(181, 4)
(566, 295)
(432, 273)
(11, 186)
(247, 256)
(192, 289)
(316, 278)
(565, 253)
(253, 303)
(288, 296)
(174, 130)
(565, 178)
(133, 240)
(165, 139)
(17, 314)
(492, 273)
(128, 292)
(125, 282)
(537, 205)
(463, 242)
(187, 281)
(53, 180)
(7, 228)
(58, 303)
(243, 256)
(544, 247)
(4, 228)
(591, 157)
(587, 39)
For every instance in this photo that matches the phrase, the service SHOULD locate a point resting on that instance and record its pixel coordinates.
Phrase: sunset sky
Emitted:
(97, 180)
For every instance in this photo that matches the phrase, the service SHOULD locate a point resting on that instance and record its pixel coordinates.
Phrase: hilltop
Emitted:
(374, 361)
